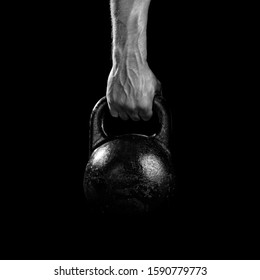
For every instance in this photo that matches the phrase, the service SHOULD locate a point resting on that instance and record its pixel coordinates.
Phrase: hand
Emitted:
(131, 88)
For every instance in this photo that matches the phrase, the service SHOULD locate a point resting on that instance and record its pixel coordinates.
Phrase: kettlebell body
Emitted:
(128, 174)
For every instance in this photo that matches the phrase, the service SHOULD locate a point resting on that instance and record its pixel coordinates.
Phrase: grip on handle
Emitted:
(97, 136)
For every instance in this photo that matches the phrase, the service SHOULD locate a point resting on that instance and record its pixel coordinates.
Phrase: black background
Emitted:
(61, 58)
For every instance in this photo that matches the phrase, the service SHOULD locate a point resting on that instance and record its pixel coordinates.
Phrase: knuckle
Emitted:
(114, 113)
(145, 111)
(123, 116)
(146, 116)
(130, 107)
(145, 105)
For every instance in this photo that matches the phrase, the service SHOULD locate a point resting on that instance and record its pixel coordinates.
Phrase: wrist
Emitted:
(128, 53)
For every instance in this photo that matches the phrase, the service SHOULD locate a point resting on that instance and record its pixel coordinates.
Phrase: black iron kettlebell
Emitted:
(130, 173)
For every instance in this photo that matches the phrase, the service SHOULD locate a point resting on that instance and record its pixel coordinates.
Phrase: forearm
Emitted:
(129, 23)
(131, 84)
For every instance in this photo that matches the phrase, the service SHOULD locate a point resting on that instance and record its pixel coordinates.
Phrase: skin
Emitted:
(131, 84)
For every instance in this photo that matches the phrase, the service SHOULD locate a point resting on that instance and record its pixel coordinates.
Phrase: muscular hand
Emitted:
(131, 88)
(131, 84)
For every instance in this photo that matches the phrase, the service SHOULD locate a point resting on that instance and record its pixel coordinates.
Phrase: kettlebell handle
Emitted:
(97, 135)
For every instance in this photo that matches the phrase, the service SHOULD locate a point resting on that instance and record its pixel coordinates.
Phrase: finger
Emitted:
(112, 109)
(133, 114)
(145, 114)
(113, 112)
(121, 112)
(123, 115)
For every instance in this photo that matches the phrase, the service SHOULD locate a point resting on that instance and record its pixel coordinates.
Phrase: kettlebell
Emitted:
(128, 174)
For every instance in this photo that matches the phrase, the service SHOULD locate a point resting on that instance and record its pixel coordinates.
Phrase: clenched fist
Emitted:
(131, 88)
